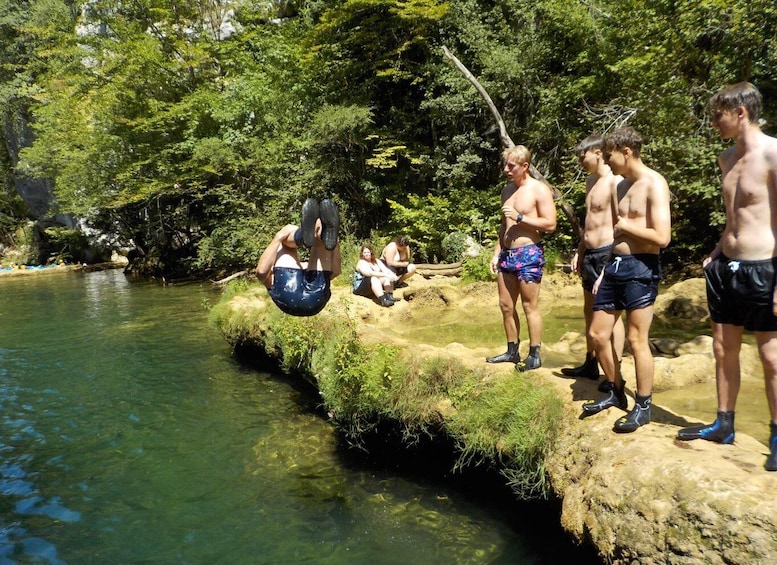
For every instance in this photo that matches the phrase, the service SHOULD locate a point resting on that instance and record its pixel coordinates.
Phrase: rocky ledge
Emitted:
(643, 497)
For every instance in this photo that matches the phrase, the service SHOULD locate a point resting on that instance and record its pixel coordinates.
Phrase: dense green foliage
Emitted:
(194, 129)
(493, 420)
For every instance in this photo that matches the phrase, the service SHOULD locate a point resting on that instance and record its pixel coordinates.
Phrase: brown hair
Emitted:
(373, 259)
(740, 94)
(590, 142)
(624, 137)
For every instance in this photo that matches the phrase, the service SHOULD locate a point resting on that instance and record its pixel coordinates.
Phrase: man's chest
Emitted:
(746, 183)
(632, 202)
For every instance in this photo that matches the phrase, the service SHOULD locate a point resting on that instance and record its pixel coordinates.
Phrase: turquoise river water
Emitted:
(130, 434)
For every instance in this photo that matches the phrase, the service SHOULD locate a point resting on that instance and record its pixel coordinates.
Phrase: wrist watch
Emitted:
(518, 218)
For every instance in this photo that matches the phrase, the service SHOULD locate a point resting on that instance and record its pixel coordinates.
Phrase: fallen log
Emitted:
(438, 269)
(230, 277)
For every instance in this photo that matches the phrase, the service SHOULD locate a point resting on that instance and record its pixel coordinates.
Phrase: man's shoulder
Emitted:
(652, 179)
(770, 148)
(539, 188)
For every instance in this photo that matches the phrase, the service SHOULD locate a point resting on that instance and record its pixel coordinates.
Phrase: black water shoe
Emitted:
(308, 222)
(589, 369)
(771, 461)
(720, 431)
(638, 417)
(509, 356)
(330, 222)
(615, 398)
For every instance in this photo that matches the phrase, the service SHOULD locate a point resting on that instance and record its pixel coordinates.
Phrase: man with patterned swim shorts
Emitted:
(525, 263)
(527, 211)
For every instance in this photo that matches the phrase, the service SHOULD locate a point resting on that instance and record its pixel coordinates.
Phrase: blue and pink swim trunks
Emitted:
(525, 263)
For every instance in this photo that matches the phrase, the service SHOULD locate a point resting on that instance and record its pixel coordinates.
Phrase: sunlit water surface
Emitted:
(129, 434)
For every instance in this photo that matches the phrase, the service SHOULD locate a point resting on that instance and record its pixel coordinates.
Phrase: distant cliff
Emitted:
(36, 193)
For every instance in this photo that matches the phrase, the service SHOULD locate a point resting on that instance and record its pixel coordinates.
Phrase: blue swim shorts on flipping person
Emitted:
(300, 293)
(525, 263)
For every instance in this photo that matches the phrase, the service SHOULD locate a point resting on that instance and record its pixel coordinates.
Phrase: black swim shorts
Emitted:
(399, 271)
(740, 293)
(593, 262)
(300, 293)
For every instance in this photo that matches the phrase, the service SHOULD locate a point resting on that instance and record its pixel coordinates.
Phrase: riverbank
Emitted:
(641, 496)
(36, 270)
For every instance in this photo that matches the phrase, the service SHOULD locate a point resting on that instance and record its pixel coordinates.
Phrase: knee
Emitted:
(507, 307)
(410, 268)
(718, 349)
(529, 307)
(598, 337)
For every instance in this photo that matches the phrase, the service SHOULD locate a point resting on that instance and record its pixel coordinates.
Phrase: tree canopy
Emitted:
(194, 129)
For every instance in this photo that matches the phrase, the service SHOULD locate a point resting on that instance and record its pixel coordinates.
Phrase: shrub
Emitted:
(453, 246)
(477, 269)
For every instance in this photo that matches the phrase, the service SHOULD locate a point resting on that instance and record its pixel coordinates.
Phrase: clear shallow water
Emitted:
(129, 434)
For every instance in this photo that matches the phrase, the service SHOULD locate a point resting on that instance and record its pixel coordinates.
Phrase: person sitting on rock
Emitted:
(303, 288)
(396, 256)
(373, 279)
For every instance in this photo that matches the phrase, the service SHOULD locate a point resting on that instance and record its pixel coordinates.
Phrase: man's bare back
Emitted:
(749, 185)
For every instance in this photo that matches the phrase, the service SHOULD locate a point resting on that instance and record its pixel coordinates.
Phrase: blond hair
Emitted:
(517, 153)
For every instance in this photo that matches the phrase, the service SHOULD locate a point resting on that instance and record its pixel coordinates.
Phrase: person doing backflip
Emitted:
(303, 288)
(740, 271)
(528, 210)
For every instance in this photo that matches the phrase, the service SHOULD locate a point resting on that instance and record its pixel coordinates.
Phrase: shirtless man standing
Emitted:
(527, 211)
(630, 280)
(740, 271)
(595, 247)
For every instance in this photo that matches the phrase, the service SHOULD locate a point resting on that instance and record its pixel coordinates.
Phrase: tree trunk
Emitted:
(508, 142)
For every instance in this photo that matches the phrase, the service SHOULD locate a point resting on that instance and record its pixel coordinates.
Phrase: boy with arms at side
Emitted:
(630, 280)
(595, 246)
(740, 271)
(527, 211)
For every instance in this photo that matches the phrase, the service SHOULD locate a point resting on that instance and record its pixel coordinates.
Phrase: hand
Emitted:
(493, 265)
(573, 262)
(509, 212)
(621, 226)
(597, 283)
